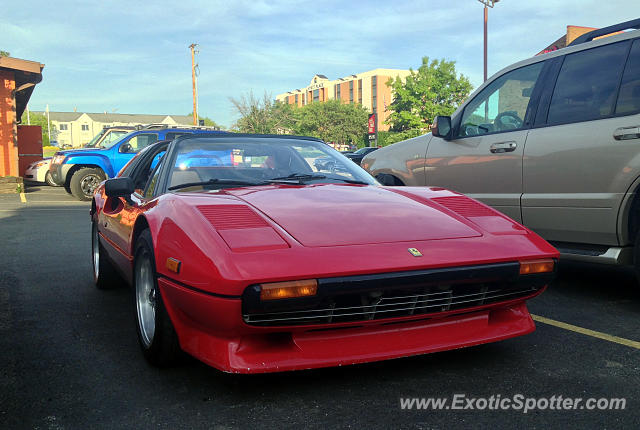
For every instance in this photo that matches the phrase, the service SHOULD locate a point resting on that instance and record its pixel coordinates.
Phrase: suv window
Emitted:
(586, 85)
(502, 105)
(138, 142)
(173, 135)
(629, 97)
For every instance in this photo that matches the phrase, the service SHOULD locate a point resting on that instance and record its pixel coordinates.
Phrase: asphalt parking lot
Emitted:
(69, 356)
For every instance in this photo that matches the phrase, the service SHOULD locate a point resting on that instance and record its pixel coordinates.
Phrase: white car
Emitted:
(39, 172)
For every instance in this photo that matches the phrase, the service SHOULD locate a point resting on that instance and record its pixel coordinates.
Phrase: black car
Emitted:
(357, 156)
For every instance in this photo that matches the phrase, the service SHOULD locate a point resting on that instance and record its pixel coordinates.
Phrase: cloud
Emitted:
(135, 57)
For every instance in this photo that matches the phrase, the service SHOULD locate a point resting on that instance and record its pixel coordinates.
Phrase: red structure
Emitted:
(18, 79)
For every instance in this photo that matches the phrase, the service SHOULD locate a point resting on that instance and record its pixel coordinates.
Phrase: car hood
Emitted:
(83, 151)
(336, 214)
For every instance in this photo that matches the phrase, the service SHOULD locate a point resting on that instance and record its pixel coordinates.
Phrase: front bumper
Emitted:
(211, 329)
(59, 173)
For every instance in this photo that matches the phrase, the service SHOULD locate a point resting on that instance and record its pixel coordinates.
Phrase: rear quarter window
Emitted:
(629, 96)
(587, 83)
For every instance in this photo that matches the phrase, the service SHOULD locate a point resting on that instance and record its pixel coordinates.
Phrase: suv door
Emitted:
(130, 147)
(583, 153)
(484, 158)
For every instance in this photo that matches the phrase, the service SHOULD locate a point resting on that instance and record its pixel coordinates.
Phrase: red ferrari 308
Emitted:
(244, 254)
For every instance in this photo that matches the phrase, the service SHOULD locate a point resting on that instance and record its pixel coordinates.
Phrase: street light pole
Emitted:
(487, 4)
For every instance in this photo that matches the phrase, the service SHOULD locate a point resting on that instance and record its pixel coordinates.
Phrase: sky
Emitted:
(133, 57)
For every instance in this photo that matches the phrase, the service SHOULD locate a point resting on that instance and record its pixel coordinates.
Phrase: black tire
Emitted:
(84, 181)
(157, 337)
(104, 274)
(636, 256)
(49, 180)
(389, 180)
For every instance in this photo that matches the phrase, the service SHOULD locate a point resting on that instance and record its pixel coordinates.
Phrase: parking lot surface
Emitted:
(69, 356)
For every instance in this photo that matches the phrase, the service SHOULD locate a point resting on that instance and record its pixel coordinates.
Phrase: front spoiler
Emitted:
(211, 329)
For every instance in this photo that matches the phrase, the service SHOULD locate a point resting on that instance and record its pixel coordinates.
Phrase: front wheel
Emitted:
(156, 334)
(49, 180)
(84, 181)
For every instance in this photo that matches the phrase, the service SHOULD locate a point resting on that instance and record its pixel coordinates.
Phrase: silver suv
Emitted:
(552, 141)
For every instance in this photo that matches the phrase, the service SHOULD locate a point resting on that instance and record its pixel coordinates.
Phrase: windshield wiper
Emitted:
(349, 181)
(217, 181)
(299, 177)
(311, 176)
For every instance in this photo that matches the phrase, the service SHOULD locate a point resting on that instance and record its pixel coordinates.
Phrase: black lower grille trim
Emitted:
(393, 295)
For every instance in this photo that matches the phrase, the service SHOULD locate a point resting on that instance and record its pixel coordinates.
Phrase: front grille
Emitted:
(377, 297)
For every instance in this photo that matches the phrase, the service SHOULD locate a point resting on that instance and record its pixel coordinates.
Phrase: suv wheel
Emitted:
(84, 181)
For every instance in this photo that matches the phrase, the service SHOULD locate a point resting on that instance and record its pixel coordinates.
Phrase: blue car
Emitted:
(81, 170)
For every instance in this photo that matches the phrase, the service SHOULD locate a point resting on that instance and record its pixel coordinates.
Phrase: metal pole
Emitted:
(193, 80)
(486, 14)
(48, 125)
(197, 116)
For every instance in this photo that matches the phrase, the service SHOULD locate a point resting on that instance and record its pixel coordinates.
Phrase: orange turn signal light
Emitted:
(536, 266)
(289, 289)
(173, 265)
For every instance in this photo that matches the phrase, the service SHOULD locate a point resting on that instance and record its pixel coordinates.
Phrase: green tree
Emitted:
(332, 121)
(41, 120)
(207, 121)
(4, 54)
(434, 89)
(262, 116)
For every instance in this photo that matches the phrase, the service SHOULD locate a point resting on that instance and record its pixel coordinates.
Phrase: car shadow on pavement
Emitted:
(597, 281)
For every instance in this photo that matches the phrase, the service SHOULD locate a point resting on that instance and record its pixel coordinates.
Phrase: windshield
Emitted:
(93, 141)
(227, 162)
(113, 138)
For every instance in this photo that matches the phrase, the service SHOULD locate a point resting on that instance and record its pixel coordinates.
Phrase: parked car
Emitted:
(81, 170)
(244, 261)
(357, 156)
(552, 142)
(38, 171)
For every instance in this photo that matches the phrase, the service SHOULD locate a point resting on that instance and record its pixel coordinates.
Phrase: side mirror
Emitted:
(125, 148)
(441, 127)
(119, 187)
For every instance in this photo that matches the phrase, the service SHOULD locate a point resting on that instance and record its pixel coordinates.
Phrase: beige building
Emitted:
(368, 89)
(78, 128)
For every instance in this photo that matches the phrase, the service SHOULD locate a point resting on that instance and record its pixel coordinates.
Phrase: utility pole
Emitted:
(487, 4)
(193, 79)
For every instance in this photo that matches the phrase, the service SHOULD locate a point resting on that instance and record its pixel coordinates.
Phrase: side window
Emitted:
(629, 96)
(173, 135)
(502, 105)
(138, 142)
(145, 169)
(153, 181)
(586, 85)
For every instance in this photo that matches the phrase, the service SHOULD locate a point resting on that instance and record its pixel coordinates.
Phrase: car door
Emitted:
(484, 157)
(120, 217)
(583, 153)
(130, 147)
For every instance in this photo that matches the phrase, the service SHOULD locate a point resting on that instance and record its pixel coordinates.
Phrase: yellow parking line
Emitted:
(23, 198)
(586, 331)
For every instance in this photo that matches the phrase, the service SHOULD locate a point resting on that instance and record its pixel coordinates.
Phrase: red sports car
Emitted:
(244, 255)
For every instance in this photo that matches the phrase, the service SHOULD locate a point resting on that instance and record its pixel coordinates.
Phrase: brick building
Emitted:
(368, 89)
(18, 79)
